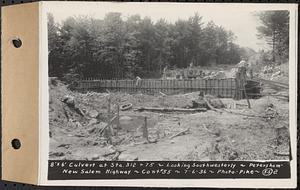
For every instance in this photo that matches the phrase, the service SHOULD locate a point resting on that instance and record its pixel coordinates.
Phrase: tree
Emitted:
(115, 47)
(275, 30)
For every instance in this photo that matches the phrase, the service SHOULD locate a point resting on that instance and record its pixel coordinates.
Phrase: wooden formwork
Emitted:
(218, 87)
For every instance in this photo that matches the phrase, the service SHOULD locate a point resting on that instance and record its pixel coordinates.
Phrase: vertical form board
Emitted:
(231, 94)
(152, 86)
(220, 87)
(20, 93)
(165, 86)
(130, 86)
(228, 88)
(215, 86)
(225, 87)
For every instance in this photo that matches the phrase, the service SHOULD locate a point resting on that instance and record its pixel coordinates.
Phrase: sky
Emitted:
(239, 18)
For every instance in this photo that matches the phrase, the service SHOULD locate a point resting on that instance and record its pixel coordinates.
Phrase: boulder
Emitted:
(95, 157)
(126, 118)
(93, 121)
(220, 75)
(69, 100)
(127, 157)
(93, 113)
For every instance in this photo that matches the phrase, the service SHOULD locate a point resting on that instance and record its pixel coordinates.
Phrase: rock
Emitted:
(95, 157)
(276, 74)
(94, 127)
(220, 75)
(233, 155)
(219, 139)
(127, 157)
(78, 124)
(109, 151)
(92, 130)
(71, 124)
(116, 140)
(242, 63)
(57, 154)
(53, 81)
(64, 145)
(93, 121)
(126, 118)
(216, 103)
(69, 100)
(93, 113)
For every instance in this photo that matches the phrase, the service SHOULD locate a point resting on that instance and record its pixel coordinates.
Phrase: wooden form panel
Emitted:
(221, 87)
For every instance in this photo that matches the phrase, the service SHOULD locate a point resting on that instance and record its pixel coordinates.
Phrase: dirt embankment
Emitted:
(77, 123)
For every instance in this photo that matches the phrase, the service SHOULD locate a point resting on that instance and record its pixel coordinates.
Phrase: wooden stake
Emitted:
(249, 105)
(145, 130)
(108, 107)
(110, 122)
(118, 117)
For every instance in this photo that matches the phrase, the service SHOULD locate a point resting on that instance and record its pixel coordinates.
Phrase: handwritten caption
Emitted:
(59, 169)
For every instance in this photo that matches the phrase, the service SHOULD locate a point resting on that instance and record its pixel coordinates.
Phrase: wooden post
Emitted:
(118, 117)
(237, 95)
(243, 83)
(145, 130)
(108, 106)
(249, 105)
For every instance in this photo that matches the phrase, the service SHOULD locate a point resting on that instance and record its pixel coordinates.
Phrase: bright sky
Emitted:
(238, 18)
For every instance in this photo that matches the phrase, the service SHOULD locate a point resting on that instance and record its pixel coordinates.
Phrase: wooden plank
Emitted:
(225, 90)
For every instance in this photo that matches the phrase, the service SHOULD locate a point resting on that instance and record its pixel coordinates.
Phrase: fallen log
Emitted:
(210, 106)
(146, 142)
(281, 153)
(170, 109)
(163, 94)
(110, 122)
(180, 133)
(243, 114)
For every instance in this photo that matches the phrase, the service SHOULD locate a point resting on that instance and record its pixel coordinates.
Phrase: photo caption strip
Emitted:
(68, 170)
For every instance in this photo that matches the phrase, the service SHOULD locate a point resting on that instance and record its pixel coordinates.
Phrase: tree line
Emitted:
(114, 47)
(274, 29)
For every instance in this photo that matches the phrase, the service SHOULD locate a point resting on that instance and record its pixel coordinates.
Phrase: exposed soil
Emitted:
(235, 133)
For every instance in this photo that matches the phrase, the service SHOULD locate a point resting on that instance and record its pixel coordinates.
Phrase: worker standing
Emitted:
(138, 81)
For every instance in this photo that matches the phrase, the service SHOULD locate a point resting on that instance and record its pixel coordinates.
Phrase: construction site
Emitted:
(196, 115)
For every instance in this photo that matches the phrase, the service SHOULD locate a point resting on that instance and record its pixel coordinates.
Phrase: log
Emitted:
(180, 133)
(281, 153)
(210, 106)
(170, 109)
(241, 104)
(163, 94)
(110, 122)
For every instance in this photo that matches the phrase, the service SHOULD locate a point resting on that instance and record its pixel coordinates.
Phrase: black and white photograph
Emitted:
(168, 82)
